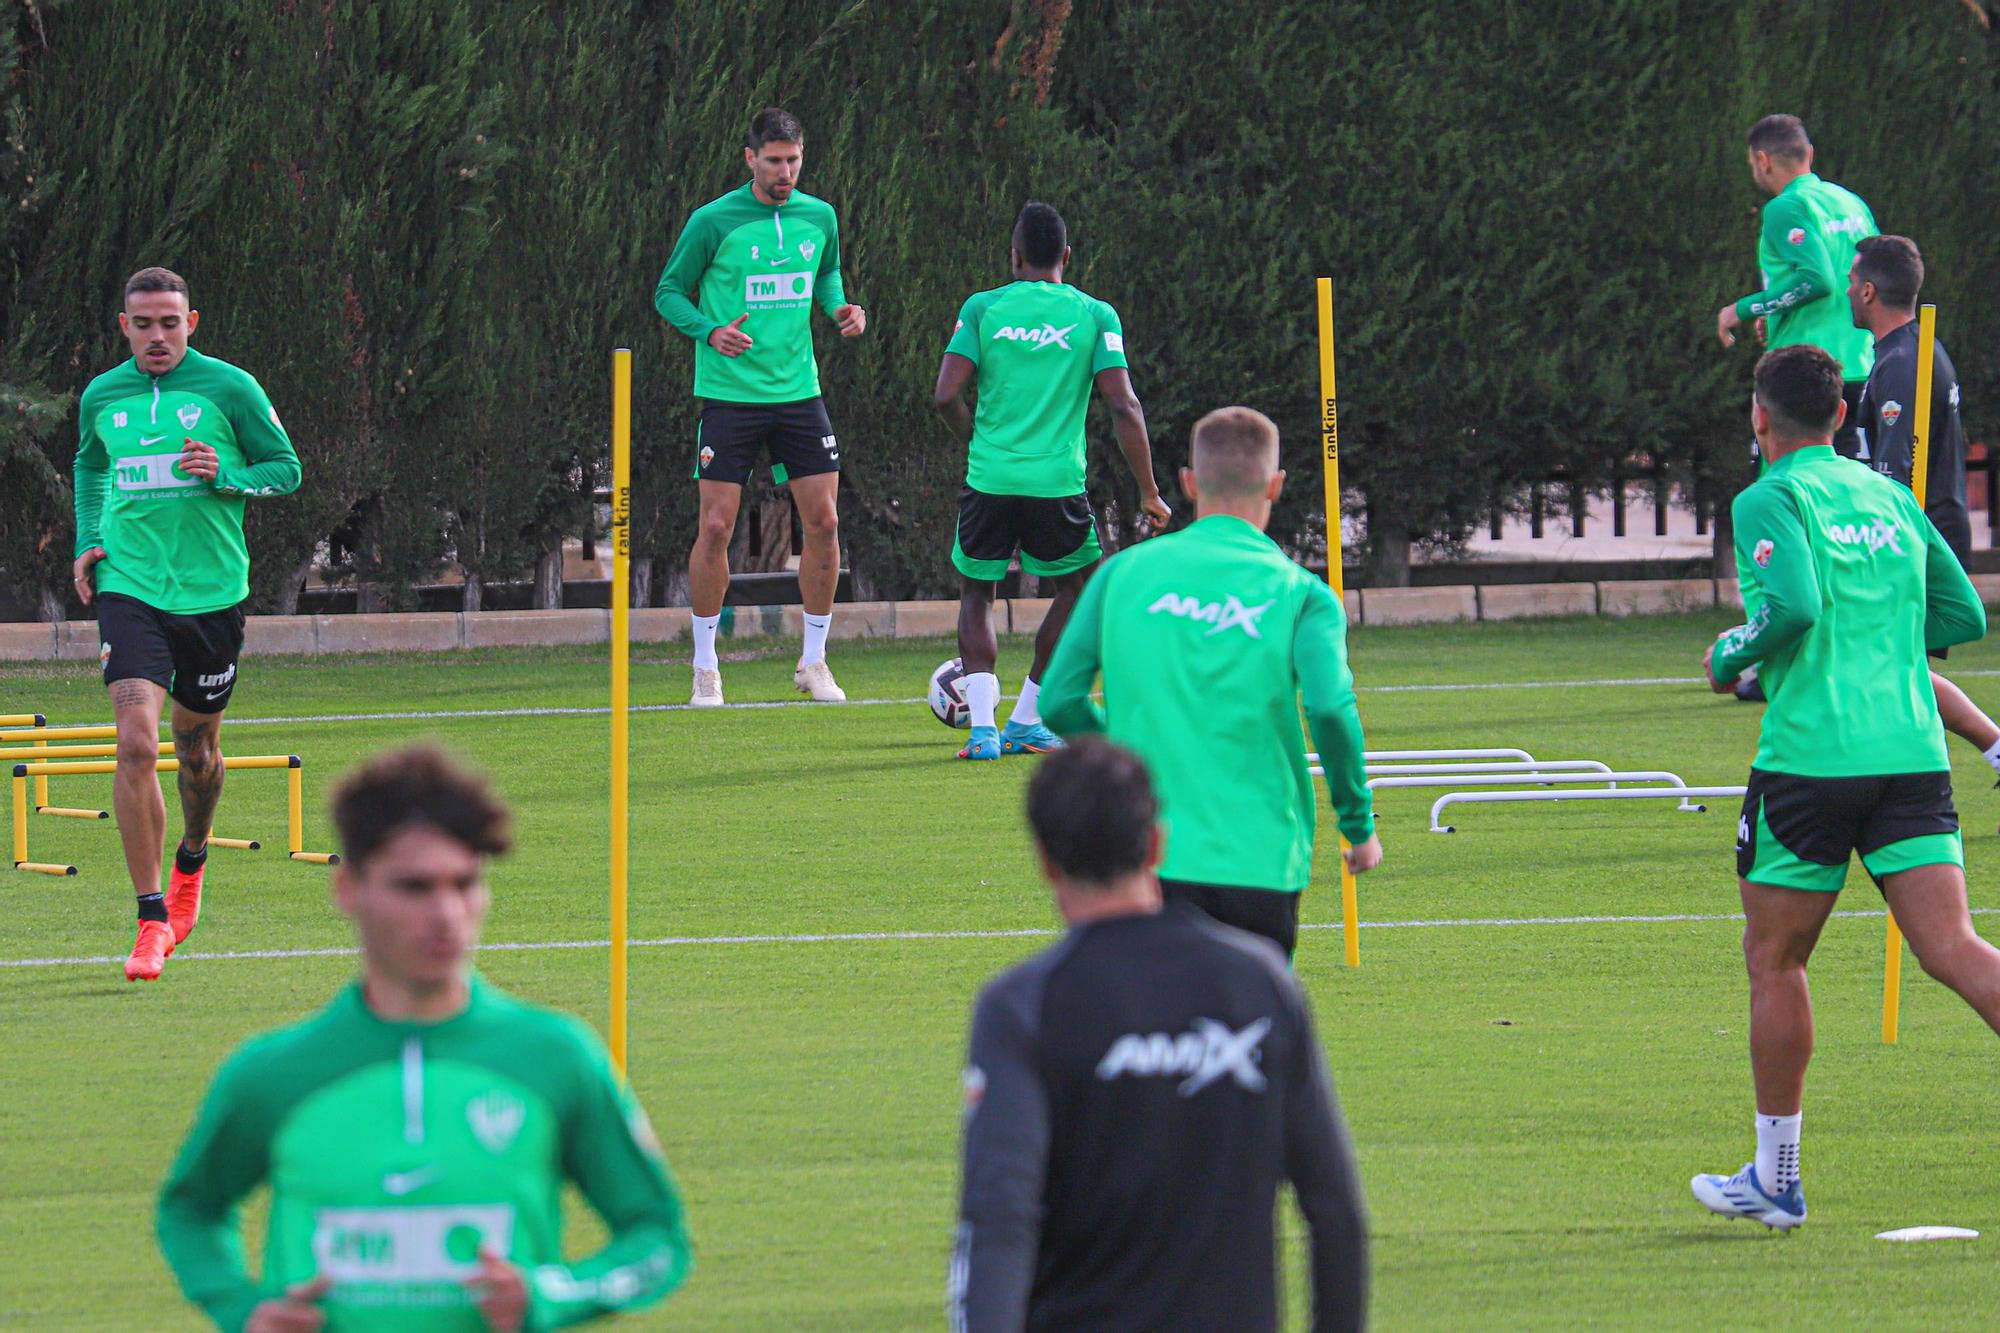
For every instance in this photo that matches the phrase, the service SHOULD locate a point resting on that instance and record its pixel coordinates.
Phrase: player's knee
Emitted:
(715, 530)
(820, 525)
(138, 747)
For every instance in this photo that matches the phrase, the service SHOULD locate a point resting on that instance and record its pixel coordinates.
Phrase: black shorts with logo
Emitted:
(1272, 913)
(1055, 535)
(193, 658)
(1799, 832)
(734, 437)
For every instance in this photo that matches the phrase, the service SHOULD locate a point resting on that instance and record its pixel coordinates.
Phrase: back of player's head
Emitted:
(1040, 235)
(1092, 809)
(1894, 265)
(417, 787)
(1234, 452)
(155, 280)
(1800, 387)
(774, 124)
(1782, 137)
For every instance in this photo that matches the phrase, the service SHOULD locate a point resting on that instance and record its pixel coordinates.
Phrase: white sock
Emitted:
(982, 693)
(1777, 1151)
(1028, 708)
(1992, 756)
(816, 628)
(704, 642)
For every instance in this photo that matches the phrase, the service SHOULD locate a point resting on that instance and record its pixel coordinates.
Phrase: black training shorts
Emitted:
(1798, 832)
(734, 437)
(1272, 913)
(1055, 535)
(193, 658)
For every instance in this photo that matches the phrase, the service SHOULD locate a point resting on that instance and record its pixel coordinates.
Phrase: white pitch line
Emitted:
(880, 936)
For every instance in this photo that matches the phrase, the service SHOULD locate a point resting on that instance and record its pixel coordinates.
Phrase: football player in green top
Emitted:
(169, 446)
(742, 282)
(417, 1132)
(1037, 348)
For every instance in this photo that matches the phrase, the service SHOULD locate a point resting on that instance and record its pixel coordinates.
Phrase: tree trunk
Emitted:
(50, 605)
(368, 599)
(642, 582)
(1723, 552)
(548, 580)
(674, 587)
(288, 595)
(471, 593)
(1388, 551)
(774, 534)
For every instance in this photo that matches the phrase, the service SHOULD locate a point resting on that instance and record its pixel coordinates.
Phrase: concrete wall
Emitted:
(417, 632)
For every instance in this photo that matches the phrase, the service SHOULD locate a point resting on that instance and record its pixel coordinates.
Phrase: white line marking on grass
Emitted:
(879, 936)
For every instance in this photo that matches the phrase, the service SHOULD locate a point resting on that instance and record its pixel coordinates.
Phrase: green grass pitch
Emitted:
(1528, 1099)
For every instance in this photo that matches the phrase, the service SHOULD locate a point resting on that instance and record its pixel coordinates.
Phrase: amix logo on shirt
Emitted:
(1874, 535)
(1043, 337)
(1223, 615)
(1202, 1055)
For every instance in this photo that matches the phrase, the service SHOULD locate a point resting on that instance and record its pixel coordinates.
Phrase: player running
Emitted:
(1845, 583)
(741, 282)
(169, 445)
(1135, 1095)
(1037, 347)
(1206, 639)
(1882, 288)
(1804, 248)
(417, 1132)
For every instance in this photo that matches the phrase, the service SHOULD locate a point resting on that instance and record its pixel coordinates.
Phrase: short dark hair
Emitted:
(774, 124)
(1800, 386)
(1780, 136)
(417, 786)
(1092, 809)
(1040, 235)
(155, 280)
(1894, 265)
(1233, 451)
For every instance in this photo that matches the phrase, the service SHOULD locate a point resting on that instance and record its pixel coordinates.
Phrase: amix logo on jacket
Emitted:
(1227, 614)
(1874, 535)
(1201, 1056)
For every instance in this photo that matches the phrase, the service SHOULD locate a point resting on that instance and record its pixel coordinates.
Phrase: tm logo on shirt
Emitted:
(1043, 337)
(778, 288)
(1224, 615)
(1874, 535)
(1201, 1056)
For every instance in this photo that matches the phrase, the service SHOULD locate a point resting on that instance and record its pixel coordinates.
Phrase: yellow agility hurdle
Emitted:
(22, 720)
(39, 736)
(294, 803)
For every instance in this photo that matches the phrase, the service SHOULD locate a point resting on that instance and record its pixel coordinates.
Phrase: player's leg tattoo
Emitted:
(135, 792)
(198, 745)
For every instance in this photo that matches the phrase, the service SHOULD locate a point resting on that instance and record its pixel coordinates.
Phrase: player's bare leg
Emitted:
(708, 582)
(1964, 719)
(1068, 587)
(198, 746)
(817, 500)
(1781, 927)
(1930, 906)
(142, 818)
(979, 656)
(1025, 732)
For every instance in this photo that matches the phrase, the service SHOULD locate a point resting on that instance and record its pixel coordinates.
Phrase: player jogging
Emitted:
(1037, 347)
(417, 1132)
(1207, 638)
(1845, 583)
(1804, 247)
(1882, 288)
(741, 282)
(1134, 1096)
(169, 445)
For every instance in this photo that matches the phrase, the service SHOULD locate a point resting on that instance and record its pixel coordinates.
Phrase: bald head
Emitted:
(1235, 453)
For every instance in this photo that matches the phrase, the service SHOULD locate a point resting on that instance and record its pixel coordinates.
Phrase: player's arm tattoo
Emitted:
(200, 752)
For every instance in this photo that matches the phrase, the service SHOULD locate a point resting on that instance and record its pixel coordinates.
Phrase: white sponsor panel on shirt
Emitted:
(778, 288)
(150, 472)
(419, 1243)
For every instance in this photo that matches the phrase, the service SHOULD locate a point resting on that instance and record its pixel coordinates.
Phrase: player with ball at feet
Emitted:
(1037, 347)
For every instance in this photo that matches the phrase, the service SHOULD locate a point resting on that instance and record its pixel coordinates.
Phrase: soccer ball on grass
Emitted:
(947, 695)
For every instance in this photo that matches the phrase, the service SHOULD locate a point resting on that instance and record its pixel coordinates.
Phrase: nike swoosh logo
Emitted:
(398, 1183)
(217, 695)
(145, 440)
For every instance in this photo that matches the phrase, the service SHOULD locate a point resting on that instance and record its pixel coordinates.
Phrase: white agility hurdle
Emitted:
(1628, 794)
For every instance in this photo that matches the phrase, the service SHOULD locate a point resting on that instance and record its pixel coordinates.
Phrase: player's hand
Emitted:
(853, 321)
(297, 1312)
(1727, 321)
(1154, 515)
(80, 573)
(1708, 669)
(730, 339)
(500, 1290)
(199, 460)
(1365, 857)
(1763, 333)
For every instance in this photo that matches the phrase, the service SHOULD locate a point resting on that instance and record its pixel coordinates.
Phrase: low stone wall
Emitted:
(436, 631)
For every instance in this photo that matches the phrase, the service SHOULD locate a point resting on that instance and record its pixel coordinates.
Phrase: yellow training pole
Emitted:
(621, 669)
(1920, 476)
(1329, 438)
(22, 720)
